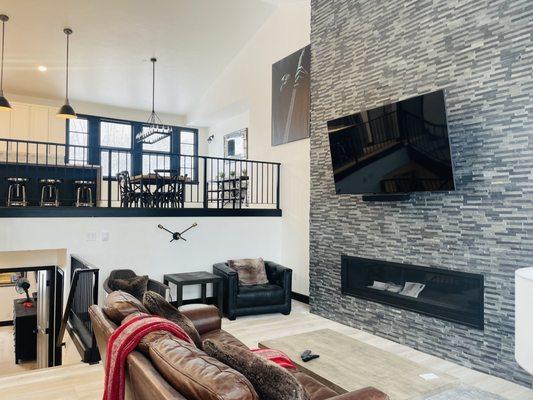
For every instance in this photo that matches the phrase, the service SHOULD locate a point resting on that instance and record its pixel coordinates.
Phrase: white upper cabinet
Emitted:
(32, 122)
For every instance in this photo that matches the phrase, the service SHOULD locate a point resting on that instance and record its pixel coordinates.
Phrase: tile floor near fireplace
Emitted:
(449, 295)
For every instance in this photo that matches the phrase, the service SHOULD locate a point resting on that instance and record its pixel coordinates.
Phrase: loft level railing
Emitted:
(42, 174)
(83, 293)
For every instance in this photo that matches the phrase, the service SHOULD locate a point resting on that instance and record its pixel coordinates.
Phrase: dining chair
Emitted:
(130, 194)
(170, 188)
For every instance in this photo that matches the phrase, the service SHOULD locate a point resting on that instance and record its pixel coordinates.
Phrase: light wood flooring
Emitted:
(84, 382)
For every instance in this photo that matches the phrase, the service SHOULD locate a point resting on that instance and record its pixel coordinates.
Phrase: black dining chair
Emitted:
(131, 195)
(170, 188)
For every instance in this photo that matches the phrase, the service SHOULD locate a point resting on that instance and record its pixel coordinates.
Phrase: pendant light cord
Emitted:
(153, 85)
(2, 69)
(66, 90)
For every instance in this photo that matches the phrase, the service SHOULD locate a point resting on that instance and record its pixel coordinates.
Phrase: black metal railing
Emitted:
(86, 177)
(83, 293)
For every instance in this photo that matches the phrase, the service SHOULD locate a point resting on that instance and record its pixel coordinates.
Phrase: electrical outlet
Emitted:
(105, 236)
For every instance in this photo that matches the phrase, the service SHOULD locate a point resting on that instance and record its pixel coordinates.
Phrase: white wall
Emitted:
(138, 244)
(240, 98)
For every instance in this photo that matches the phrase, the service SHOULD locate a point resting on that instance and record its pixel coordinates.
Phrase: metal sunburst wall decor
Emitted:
(177, 235)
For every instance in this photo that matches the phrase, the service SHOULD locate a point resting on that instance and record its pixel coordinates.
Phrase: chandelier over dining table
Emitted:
(155, 130)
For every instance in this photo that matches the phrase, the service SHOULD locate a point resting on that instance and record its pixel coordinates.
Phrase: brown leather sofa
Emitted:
(143, 381)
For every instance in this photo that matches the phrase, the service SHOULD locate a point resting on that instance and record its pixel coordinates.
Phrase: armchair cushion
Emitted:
(136, 286)
(260, 295)
(157, 305)
(251, 271)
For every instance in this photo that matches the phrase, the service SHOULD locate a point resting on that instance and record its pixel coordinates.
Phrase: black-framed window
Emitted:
(116, 145)
(78, 135)
(101, 136)
(188, 151)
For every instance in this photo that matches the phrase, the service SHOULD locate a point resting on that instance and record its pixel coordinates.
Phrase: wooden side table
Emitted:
(196, 278)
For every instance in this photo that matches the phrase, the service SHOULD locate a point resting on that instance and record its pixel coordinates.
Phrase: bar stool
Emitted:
(84, 193)
(49, 192)
(16, 192)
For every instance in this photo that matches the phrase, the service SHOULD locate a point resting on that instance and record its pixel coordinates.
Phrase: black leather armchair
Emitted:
(154, 286)
(272, 297)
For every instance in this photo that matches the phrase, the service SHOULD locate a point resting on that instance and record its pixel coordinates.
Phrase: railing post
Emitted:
(109, 178)
(278, 187)
(206, 186)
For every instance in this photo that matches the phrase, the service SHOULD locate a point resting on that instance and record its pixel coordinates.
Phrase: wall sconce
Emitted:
(210, 139)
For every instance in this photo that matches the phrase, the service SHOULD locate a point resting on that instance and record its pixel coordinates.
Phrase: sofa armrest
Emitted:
(205, 318)
(107, 289)
(159, 288)
(368, 393)
(230, 284)
(279, 275)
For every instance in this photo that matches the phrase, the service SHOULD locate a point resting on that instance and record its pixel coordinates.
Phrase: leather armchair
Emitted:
(154, 286)
(257, 299)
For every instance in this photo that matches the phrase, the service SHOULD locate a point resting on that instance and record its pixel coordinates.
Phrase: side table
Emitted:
(196, 278)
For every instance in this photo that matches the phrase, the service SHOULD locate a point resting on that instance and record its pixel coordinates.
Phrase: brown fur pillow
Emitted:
(251, 271)
(135, 286)
(157, 305)
(270, 381)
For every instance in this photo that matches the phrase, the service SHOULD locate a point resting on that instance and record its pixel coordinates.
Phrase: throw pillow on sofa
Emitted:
(196, 375)
(135, 286)
(157, 305)
(251, 271)
(119, 304)
(270, 381)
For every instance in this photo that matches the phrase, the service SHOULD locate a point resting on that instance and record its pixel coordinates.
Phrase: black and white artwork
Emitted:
(291, 97)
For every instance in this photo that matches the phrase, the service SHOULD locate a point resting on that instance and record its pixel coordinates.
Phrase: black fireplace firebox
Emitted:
(450, 295)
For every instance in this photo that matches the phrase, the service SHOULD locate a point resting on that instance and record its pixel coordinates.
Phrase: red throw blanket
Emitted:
(276, 356)
(123, 341)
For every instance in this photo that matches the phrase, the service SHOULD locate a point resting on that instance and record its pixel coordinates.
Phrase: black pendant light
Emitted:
(155, 131)
(66, 111)
(4, 104)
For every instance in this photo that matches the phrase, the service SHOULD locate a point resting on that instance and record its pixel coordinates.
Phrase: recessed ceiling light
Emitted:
(42, 68)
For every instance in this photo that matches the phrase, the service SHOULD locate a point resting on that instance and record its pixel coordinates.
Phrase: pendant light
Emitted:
(66, 111)
(4, 104)
(155, 131)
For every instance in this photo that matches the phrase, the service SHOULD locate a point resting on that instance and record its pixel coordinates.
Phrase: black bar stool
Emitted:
(84, 193)
(16, 192)
(49, 192)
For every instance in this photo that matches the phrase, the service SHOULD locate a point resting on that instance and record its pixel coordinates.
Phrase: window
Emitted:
(78, 140)
(154, 157)
(188, 149)
(115, 143)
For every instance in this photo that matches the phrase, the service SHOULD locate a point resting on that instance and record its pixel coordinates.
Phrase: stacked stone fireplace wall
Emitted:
(368, 53)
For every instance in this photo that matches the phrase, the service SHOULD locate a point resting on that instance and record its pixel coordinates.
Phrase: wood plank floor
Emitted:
(84, 382)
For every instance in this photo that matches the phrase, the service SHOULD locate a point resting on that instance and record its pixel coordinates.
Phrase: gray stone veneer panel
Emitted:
(367, 53)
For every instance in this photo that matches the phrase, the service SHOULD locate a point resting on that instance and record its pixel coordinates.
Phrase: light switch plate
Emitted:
(91, 236)
(105, 236)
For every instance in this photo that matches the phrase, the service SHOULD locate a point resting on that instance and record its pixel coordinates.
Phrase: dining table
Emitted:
(154, 183)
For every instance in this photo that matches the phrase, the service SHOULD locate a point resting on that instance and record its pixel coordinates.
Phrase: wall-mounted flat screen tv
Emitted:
(397, 148)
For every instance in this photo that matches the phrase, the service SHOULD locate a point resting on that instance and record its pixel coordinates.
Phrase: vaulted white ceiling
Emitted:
(113, 41)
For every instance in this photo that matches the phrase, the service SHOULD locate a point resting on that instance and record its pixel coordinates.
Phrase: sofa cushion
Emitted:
(314, 389)
(135, 286)
(196, 375)
(224, 337)
(119, 304)
(260, 295)
(157, 305)
(251, 271)
(271, 381)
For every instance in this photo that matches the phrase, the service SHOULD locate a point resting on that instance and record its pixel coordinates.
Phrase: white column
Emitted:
(524, 318)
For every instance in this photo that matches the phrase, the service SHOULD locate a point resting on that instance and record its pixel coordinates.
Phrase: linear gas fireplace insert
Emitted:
(450, 295)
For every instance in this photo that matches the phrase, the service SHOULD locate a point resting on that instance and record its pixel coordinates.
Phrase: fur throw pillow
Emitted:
(157, 305)
(135, 286)
(270, 381)
(251, 271)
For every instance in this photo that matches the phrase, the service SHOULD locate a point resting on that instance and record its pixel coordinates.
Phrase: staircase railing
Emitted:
(83, 293)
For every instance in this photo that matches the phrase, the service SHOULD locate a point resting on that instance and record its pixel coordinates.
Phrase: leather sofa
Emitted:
(144, 382)
(273, 297)
(154, 286)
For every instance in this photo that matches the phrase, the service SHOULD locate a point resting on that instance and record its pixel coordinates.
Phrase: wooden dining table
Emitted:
(147, 182)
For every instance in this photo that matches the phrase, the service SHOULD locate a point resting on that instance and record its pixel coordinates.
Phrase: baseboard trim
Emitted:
(6, 323)
(302, 298)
